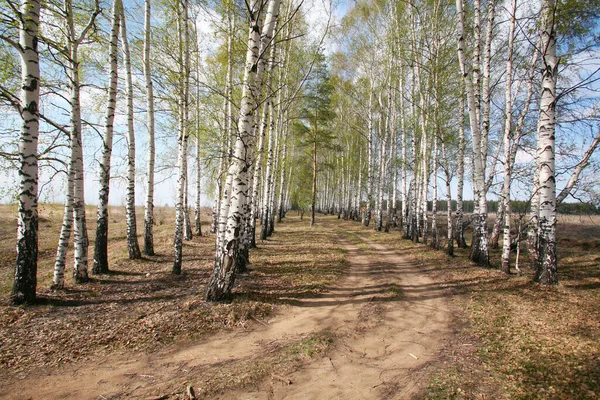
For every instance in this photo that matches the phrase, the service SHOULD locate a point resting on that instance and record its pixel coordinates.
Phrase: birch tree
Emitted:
(479, 253)
(546, 271)
(76, 172)
(183, 86)
(133, 247)
(236, 189)
(101, 245)
(25, 282)
(149, 204)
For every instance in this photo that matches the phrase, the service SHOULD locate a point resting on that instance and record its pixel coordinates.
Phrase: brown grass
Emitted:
(141, 306)
(512, 338)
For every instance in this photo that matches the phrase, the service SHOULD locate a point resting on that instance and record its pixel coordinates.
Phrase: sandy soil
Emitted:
(389, 320)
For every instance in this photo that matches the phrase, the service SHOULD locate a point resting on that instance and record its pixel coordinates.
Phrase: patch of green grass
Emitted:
(314, 344)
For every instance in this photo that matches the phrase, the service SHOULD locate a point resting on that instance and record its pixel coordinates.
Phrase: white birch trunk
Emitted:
(197, 221)
(223, 277)
(505, 194)
(403, 194)
(546, 271)
(268, 186)
(80, 272)
(280, 205)
(133, 247)
(149, 209)
(359, 187)
(101, 245)
(460, 235)
(434, 230)
(180, 211)
(187, 223)
(58, 280)
(479, 252)
(25, 279)
(382, 173)
(228, 125)
(449, 224)
(367, 214)
(485, 118)
(258, 174)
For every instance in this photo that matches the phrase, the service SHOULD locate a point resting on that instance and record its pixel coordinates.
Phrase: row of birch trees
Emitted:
(404, 105)
(433, 95)
(233, 102)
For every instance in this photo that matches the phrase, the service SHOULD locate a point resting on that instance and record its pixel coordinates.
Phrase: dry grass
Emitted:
(513, 338)
(141, 306)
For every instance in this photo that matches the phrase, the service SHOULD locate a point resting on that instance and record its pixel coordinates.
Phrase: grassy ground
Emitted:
(512, 338)
(141, 306)
(515, 339)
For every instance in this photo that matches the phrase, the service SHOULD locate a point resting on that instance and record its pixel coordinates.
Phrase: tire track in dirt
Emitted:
(394, 322)
(388, 317)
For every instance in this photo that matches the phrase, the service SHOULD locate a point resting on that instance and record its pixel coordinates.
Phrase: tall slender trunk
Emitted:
(227, 127)
(280, 210)
(133, 246)
(449, 224)
(268, 186)
(479, 253)
(197, 221)
(546, 271)
(314, 181)
(434, 230)
(25, 281)
(486, 90)
(226, 255)
(424, 155)
(370, 179)
(180, 211)
(58, 281)
(101, 245)
(80, 234)
(149, 209)
(359, 187)
(403, 195)
(393, 163)
(382, 175)
(187, 223)
(505, 194)
(460, 233)
(257, 174)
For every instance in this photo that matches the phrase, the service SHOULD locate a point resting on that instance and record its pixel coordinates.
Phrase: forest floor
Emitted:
(336, 311)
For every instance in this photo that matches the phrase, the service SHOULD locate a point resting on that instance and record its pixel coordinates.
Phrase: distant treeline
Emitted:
(518, 207)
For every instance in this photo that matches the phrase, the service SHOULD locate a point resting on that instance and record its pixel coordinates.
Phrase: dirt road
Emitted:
(388, 319)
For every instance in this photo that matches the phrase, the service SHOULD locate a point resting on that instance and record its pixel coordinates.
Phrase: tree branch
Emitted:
(580, 167)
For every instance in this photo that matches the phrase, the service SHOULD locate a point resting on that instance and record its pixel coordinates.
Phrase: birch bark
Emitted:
(449, 224)
(133, 246)
(80, 234)
(101, 245)
(58, 280)
(149, 209)
(25, 281)
(262, 128)
(479, 253)
(546, 271)
(183, 59)
(505, 195)
(223, 277)
(370, 179)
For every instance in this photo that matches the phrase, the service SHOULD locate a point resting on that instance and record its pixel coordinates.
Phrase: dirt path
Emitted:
(392, 321)
(388, 317)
